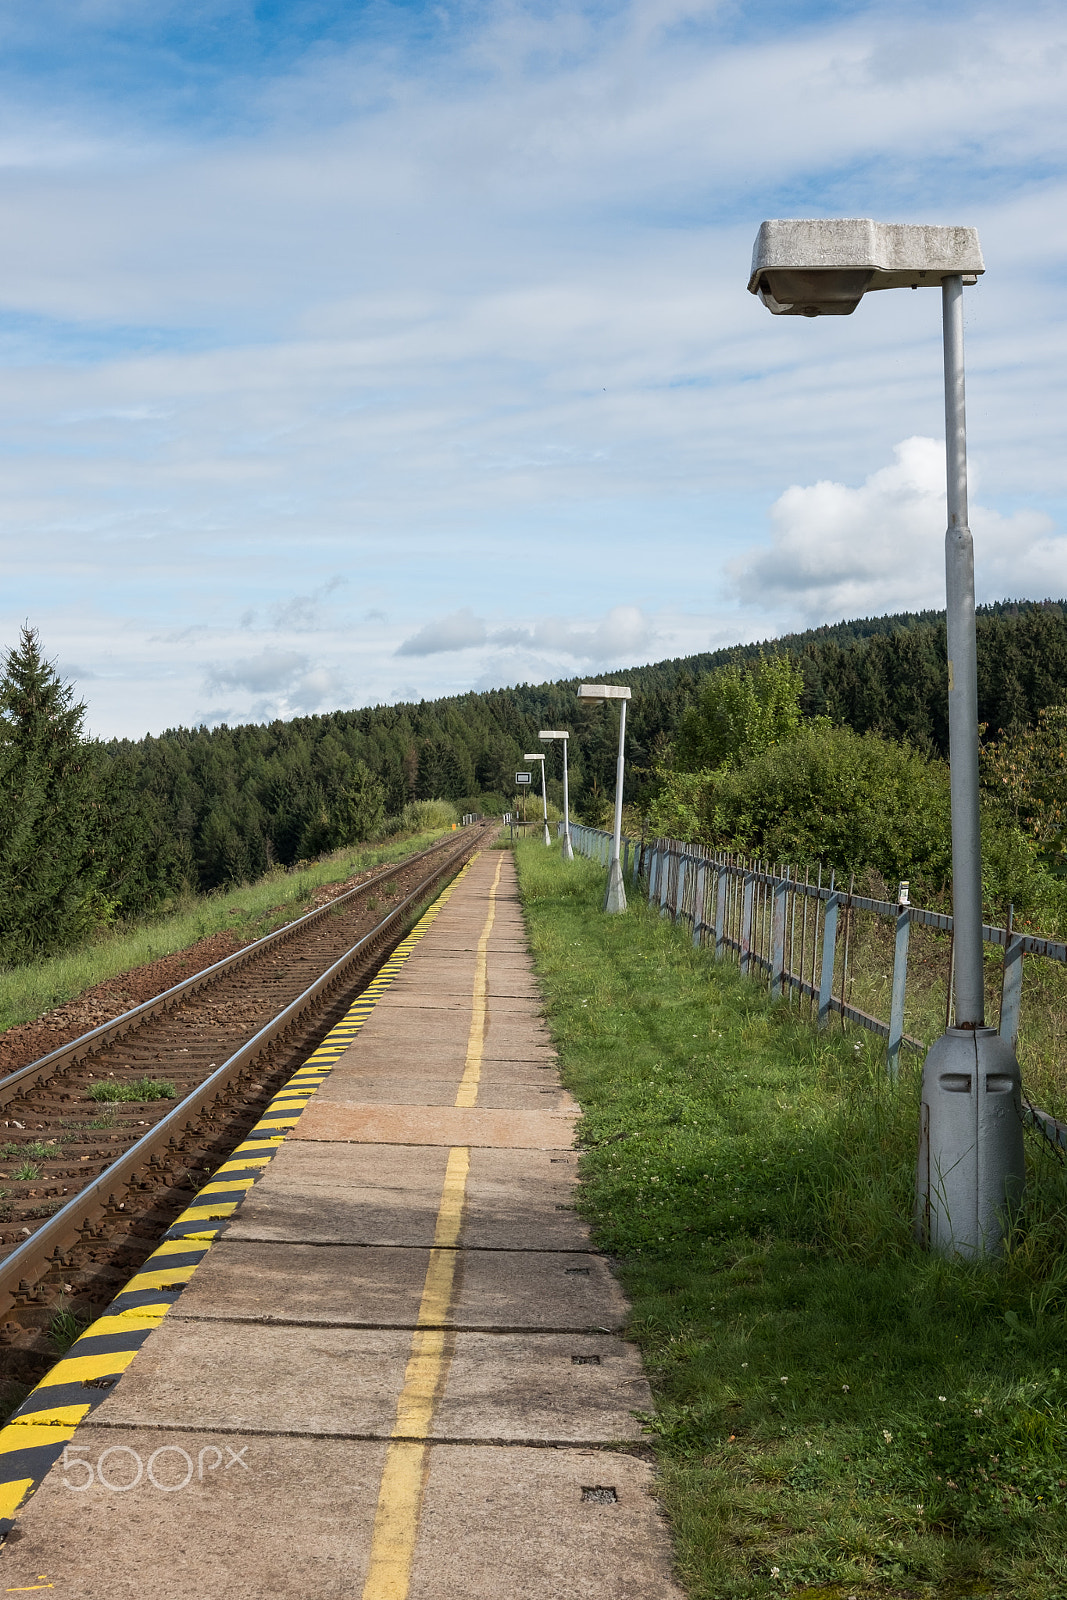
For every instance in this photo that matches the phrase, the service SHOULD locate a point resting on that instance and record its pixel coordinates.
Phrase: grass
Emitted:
(837, 1413)
(65, 1326)
(27, 992)
(138, 1089)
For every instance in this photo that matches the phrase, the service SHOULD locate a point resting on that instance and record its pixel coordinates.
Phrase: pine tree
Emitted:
(49, 877)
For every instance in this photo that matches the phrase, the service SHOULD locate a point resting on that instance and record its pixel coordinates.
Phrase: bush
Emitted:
(856, 802)
(421, 816)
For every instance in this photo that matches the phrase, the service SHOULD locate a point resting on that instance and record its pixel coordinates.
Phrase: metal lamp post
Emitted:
(566, 850)
(614, 894)
(971, 1163)
(539, 756)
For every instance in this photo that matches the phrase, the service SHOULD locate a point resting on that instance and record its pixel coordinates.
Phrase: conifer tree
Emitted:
(48, 874)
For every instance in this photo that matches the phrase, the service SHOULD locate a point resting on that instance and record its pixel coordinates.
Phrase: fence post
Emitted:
(829, 945)
(665, 881)
(746, 922)
(698, 903)
(1011, 993)
(653, 874)
(778, 940)
(625, 856)
(900, 981)
(720, 910)
(680, 898)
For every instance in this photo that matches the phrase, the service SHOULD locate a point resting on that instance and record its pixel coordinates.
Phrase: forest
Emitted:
(92, 831)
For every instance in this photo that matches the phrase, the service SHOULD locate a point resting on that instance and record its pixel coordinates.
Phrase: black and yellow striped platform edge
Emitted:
(39, 1431)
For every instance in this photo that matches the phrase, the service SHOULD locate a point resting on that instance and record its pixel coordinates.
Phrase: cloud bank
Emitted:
(838, 551)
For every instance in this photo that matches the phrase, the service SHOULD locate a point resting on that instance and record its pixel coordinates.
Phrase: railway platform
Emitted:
(377, 1357)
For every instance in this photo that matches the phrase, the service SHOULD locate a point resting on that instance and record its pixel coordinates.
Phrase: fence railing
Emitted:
(790, 929)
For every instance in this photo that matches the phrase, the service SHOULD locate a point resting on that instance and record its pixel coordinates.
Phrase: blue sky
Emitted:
(354, 353)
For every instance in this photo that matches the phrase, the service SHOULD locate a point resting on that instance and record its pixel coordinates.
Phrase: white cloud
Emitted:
(461, 630)
(272, 669)
(838, 551)
(623, 634)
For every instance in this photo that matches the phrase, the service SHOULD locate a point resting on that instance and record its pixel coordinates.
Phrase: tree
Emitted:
(49, 873)
(1026, 774)
(739, 713)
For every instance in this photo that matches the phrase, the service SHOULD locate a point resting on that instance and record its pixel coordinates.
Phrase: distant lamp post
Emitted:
(540, 756)
(971, 1165)
(566, 850)
(614, 894)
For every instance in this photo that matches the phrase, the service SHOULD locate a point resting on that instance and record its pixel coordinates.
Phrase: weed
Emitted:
(136, 1089)
(64, 1327)
(41, 1149)
(26, 1172)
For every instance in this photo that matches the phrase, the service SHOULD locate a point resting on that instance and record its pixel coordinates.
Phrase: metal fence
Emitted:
(790, 929)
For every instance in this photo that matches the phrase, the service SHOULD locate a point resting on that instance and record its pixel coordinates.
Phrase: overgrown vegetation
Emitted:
(837, 1413)
(751, 774)
(135, 1089)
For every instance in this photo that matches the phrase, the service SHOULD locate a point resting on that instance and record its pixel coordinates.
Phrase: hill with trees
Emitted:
(96, 829)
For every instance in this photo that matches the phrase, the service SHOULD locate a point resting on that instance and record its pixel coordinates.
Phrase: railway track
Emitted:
(103, 1140)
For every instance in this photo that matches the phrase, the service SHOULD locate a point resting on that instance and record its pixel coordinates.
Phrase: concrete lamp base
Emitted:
(548, 837)
(567, 849)
(615, 894)
(971, 1161)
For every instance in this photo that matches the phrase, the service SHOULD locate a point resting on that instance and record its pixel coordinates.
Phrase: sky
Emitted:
(361, 353)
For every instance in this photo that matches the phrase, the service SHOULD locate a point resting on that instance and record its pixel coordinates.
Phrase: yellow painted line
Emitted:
(76, 1369)
(160, 1278)
(27, 1435)
(140, 1320)
(467, 1094)
(396, 1518)
(59, 1417)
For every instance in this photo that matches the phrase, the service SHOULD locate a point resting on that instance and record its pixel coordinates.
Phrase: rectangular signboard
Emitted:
(522, 777)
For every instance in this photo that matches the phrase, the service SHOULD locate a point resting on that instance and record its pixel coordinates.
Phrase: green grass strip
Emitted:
(248, 910)
(838, 1413)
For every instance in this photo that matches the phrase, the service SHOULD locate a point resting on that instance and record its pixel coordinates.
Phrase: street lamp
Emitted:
(540, 756)
(971, 1160)
(566, 850)
(614, 894)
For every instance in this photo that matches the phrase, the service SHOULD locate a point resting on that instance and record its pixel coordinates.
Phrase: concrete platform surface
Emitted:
(295, 1518)
(399, 1373)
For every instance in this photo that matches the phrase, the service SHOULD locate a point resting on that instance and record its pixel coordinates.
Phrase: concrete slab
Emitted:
(431, 999)
(373, 1088)
(389, 1195)
(441, 1125)
(344, 1382)
(293, 1519)
(354, 1286)
(529, 1535)
(261, 1527)
(352, 1071)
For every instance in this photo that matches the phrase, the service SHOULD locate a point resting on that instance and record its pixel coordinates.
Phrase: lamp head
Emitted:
(553, 733)
(603, 691)
(822, 267)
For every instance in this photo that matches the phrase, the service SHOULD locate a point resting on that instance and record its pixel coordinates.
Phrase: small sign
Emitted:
(522, 777)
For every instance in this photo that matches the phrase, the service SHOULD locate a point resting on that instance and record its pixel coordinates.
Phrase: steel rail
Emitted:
(21, 1271)
(87, 1044)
